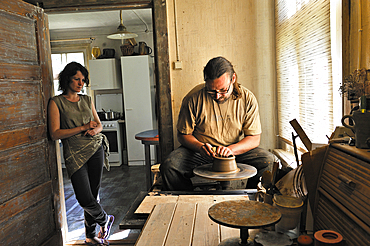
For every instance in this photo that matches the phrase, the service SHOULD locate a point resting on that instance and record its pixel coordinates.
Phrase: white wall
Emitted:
(240, 30)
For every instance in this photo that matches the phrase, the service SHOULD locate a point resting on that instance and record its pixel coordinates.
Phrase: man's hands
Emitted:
(207, 151)
(222, 151)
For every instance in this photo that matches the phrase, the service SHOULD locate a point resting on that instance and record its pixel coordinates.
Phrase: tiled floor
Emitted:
(120, 186)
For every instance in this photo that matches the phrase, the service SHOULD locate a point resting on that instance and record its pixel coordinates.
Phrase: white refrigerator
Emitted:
(138, 100)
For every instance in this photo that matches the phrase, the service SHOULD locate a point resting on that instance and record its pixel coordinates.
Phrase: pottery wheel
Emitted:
(243, 171)
(244, 215)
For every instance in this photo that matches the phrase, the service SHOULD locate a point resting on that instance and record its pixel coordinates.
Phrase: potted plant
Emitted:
(355, 86)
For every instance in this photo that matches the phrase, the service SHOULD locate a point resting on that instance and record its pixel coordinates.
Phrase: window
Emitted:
(66, 51)
(59, 61)
(306, 82)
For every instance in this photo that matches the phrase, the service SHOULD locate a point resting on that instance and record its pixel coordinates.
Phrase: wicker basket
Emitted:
(127, 49)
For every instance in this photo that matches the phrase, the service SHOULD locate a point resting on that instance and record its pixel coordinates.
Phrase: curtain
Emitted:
(304, 68)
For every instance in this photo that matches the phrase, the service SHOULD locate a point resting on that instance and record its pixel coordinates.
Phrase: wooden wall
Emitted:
(29, 197)
(359, 31)
(356, 33)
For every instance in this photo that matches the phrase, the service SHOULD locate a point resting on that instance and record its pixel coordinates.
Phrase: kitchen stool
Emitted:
(148, 138)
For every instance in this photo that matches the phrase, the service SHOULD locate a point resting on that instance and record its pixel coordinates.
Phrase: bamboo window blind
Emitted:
(304, 68)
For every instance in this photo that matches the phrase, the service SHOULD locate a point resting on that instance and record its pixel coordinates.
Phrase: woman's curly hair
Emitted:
(68, 72)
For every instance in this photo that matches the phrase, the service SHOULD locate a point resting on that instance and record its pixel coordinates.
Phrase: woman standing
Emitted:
(73, 119)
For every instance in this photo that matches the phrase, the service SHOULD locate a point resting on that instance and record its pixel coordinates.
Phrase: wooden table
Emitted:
(183, 220)
(148, 138)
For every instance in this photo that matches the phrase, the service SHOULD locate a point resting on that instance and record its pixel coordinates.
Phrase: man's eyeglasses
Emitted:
(221, 92)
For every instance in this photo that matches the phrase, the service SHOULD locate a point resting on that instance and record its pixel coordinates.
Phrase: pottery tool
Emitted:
(275, 168)
(272, 189)
(266, 179)
(302, 135)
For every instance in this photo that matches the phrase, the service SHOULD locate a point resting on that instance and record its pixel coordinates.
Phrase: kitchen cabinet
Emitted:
(105, 74)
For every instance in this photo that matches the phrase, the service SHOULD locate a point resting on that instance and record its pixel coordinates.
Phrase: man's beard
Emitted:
(224, 99)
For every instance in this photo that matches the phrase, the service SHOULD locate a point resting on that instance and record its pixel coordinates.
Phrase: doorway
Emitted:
(75, 44)
(161, 56)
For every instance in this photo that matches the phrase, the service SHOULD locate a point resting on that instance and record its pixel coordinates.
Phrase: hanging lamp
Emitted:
(122, 32)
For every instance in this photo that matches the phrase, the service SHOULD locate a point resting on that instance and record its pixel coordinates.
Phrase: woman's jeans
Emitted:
(177, 169)
(86, 184)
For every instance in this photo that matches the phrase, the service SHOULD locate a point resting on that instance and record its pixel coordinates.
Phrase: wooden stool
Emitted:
(148, 138)
(156, 173)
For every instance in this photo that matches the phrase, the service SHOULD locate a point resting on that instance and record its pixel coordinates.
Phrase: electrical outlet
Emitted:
(177, 65)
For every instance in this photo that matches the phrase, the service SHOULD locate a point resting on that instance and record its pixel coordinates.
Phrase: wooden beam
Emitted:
(302, 135)
(346, 54)
(73, 5)
(97, 8)
(163, 82)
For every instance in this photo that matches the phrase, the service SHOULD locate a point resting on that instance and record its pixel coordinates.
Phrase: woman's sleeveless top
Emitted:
(78, 149)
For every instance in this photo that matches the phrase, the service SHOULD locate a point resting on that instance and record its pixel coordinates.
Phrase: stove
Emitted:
(113, 130)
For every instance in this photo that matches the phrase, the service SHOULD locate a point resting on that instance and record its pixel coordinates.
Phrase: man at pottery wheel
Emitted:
(218, 113)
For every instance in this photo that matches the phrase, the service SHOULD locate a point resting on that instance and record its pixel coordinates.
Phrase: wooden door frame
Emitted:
(163, 81)
(161, 47)
(47, 189)
(163, 85)
(162, 70)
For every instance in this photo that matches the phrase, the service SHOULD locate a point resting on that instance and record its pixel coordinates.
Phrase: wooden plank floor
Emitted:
(119, 188)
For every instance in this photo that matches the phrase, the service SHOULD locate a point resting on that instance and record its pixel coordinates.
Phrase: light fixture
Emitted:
(122, 32)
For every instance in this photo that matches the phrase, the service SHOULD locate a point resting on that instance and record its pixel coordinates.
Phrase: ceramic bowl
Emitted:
(224, 164)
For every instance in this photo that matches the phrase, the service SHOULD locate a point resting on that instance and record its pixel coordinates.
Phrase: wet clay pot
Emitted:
(224, 164)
